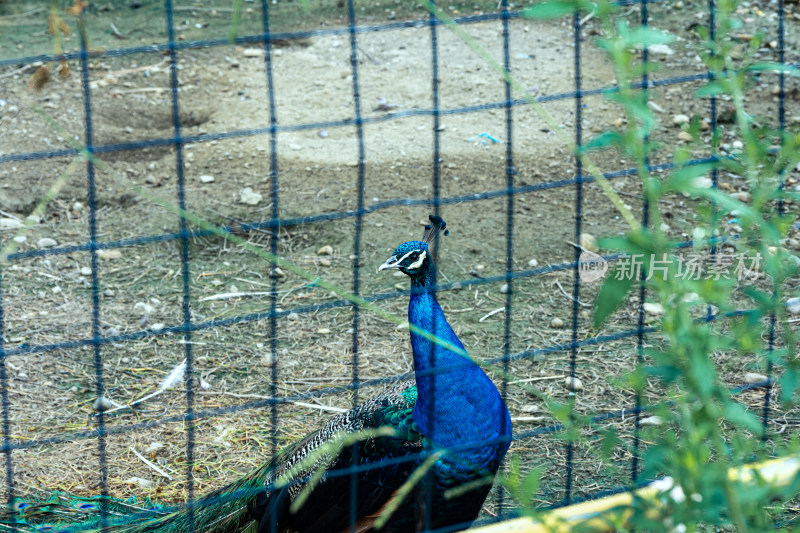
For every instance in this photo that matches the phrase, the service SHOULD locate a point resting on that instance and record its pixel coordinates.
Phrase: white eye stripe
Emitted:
(418, 262)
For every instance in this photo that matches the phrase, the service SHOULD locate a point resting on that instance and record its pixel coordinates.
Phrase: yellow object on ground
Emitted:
(604, 514)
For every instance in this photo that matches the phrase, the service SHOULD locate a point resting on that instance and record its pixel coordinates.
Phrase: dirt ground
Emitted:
(47, 300)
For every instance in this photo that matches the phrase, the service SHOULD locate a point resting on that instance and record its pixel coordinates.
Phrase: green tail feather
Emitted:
(222, 511)
(226, 509)
(62, 510)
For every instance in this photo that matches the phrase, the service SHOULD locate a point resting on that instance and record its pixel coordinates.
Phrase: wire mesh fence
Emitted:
(194, 325)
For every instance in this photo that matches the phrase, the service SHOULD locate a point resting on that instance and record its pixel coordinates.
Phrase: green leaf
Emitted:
(642, 112)
(609, 443)
(606, 139)
(770, 66)
(712, 88)
(550, 10)
(645, 36)
(681, 179)
(788, 384)
(737, 414)
(612, 294)
(615, 243)
(701, 371)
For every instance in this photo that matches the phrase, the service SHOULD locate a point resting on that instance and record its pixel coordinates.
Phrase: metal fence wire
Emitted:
(102, 345)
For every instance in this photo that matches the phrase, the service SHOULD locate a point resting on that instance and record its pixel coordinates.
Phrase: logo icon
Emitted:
(591, 266)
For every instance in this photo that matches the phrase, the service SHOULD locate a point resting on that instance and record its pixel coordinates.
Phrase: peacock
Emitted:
(421, 454)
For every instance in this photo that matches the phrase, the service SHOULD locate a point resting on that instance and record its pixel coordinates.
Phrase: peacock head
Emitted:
(413, 257)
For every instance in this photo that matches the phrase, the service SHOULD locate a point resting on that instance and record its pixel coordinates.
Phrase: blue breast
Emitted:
(458, 406)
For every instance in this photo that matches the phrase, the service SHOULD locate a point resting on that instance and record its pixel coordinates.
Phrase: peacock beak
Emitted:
(392, 262)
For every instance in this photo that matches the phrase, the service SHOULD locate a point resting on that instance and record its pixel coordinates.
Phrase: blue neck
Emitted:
(458, 403)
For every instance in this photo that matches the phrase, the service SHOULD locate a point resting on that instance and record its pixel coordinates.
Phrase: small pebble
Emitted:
(46, 242)
(322, 134)
(530, 408)
(10, 223)
(269, 359)
(101, 404)
(573, 384)
(86, 271)
(662, 49)
(249, 197)
(742, 196)
(325, 262)
(253, 52)
(557, 323)
(205, 178)
(157, 327)
(402, 326)
(323, 331)
(19, 239)
(651, 421)
(142, 308)
(154, 447)
(505, 288)
(691, 297)
(277, 273)
(793, 306)
(702, 182)
(737, 145)
(685, 136)
(665, 227)
(144, 483)
(588, 242)
(653, 308)
(680, 119)
(399, 286)
(533, 263)
(293, 316)
(109, 254)
(325, 250)
(754, 377)
(204, 384)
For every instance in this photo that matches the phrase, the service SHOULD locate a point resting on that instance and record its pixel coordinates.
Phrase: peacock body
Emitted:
(450, 423)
